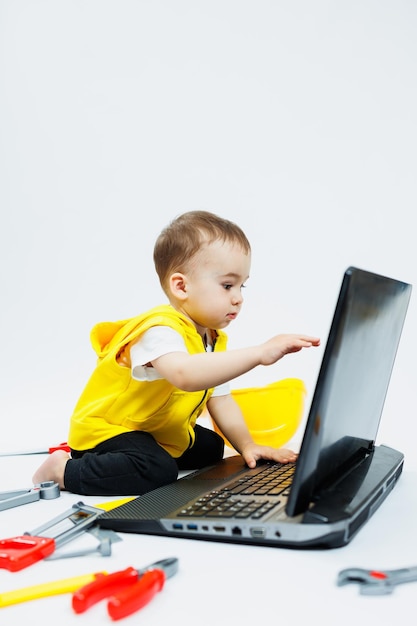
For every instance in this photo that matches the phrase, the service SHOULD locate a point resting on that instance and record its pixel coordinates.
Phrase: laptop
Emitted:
(340, 477)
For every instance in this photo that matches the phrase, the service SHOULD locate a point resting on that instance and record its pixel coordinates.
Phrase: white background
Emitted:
(295, 119)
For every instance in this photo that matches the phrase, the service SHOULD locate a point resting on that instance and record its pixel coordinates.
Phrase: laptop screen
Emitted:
(352, 383)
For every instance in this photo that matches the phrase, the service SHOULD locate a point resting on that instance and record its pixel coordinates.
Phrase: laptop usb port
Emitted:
(257, 532)
(191, 526)
(177, 526)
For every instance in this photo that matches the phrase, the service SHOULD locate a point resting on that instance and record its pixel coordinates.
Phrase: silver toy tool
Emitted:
(46, 491)
(24, 550)
(61, 446)
(377, 582)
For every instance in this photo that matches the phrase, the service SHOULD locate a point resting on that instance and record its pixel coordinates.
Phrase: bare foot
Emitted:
(52, 468)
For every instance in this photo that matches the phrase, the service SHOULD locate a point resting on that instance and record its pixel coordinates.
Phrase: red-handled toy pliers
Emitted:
(127, 590)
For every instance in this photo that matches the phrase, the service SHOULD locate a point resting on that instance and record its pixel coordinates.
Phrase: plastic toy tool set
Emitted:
(126, 591)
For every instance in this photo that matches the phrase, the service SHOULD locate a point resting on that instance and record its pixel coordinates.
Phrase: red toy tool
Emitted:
(19, 552)
(60, 446)
(127, 590)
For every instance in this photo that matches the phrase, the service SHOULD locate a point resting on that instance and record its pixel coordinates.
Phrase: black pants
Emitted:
(133, 463)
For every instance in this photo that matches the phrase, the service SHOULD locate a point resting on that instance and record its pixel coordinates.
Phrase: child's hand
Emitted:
(280, 345)
(253, 452)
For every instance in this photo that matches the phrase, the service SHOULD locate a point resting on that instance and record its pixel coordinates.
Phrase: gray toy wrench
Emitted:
(377, 582)
(45, 491)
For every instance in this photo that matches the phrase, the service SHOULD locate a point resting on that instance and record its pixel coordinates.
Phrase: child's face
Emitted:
(212, 290)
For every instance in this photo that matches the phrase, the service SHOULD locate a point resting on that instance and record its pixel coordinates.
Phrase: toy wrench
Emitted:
(127, 590)
(47, 490)
(377, 582)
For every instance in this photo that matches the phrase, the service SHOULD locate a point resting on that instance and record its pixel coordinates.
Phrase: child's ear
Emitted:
(178, 286)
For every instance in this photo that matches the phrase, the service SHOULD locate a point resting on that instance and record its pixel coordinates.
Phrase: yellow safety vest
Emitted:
(113, 402)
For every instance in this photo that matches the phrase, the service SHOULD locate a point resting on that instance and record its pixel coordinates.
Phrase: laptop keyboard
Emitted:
(250, 496)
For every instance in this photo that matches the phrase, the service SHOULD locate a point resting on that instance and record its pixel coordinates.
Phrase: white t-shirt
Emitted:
(156, 342)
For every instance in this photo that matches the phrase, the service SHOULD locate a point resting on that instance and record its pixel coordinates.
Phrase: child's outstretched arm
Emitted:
(193, 372)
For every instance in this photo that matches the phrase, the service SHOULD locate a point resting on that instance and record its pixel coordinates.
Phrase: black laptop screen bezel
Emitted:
(368, 306)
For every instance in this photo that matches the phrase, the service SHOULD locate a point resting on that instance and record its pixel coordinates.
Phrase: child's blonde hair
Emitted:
(182, 239)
